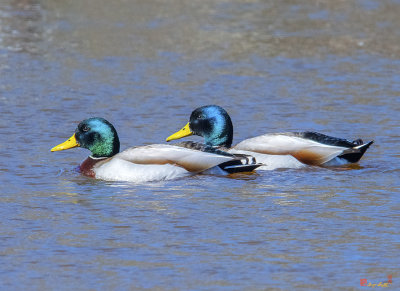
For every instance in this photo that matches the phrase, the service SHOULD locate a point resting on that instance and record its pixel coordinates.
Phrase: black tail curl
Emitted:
(243, 163)
(353, 155)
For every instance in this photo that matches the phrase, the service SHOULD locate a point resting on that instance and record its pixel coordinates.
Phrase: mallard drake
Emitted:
(143, 163)
(311, 148)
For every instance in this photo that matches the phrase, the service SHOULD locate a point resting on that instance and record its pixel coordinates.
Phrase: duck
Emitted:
(274, 150)
(154, 162)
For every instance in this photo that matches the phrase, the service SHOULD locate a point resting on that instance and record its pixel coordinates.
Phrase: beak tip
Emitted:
(70, 143)
(185, 131)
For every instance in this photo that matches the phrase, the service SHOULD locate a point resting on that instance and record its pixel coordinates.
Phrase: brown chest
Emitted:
(88, 165)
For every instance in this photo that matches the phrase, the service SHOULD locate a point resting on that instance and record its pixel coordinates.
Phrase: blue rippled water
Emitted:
(276, 66)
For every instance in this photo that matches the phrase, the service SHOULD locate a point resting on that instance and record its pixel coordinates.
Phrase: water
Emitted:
(276, 66)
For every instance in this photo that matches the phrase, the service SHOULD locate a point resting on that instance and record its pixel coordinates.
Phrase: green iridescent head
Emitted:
(95, 134)
(211, 122)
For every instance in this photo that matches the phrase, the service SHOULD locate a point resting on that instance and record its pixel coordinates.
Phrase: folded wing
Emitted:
(316, 151)
(159, 154)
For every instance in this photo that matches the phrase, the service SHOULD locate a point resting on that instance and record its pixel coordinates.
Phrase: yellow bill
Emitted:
(182, 133)
(69, 144)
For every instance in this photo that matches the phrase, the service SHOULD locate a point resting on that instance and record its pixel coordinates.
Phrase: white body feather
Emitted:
(156, 162)
(304, 150)
(121, 170)
(271, 162)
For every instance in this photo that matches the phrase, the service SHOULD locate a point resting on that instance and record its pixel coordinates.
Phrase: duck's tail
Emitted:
(242, 163)
(353, 155)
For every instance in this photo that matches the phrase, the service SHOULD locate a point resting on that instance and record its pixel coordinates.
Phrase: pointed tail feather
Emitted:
(243, 163)
(353, 155)
(239, 168)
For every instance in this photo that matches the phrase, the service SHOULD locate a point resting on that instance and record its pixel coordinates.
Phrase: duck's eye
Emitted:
(85, 128)
(201, 116)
